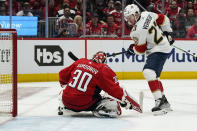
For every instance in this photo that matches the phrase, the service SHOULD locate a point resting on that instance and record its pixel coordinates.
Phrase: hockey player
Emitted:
(151, 35)
(82, 83)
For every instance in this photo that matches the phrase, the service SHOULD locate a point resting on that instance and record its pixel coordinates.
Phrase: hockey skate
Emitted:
(162, 106)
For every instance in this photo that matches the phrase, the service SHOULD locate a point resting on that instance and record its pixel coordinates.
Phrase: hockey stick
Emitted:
(118, 53)
(185, 51)
(141, 99)
(73, 57)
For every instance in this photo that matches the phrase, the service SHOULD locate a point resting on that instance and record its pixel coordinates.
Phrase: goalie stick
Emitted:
(141, 99)
(73, 57)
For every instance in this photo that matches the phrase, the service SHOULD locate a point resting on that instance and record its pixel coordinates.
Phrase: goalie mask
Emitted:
(100, 57)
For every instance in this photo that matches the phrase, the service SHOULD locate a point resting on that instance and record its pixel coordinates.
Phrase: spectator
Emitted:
(109, 8)
(63, 22)
(158, 6)
(79, 8)
(117, 13)
(189, 5)
(61, 11)
(181, 3)
(3, 10)
(38, 8)
(180, 30)
(192, 32)
(110, 28)
(151, 7)
(79, 11)
(52, 8)
(127, 29)
(16, 6)
(100, 12)
(172, 11)
(94, 26)
(79, 21)
(26, 11)
(190, 18)
(195, 7)
(72, 3)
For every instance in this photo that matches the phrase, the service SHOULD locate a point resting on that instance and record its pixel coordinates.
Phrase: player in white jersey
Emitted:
(151, 34)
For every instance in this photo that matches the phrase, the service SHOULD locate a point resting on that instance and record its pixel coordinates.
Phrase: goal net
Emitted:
(8, 72)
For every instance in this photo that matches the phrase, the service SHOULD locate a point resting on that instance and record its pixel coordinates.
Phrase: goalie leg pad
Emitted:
(107, 107)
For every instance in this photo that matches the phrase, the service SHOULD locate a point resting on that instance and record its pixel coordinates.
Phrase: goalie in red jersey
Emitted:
(82, 83)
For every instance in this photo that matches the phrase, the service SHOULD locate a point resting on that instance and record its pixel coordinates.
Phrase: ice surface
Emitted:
(38, 111)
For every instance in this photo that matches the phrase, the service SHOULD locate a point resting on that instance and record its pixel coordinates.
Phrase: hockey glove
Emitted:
(130, 50)
(169, 37)
(129, 102)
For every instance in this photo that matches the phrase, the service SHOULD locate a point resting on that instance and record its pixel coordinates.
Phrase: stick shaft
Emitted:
(118, 53)
(184, 51)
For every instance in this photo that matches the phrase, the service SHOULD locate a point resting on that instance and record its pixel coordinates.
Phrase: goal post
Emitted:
(8, 72)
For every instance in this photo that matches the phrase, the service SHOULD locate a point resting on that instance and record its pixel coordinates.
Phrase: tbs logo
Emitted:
(49, 55)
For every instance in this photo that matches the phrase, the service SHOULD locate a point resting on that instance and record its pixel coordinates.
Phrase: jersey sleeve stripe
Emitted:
(160, 20)
(140, 48)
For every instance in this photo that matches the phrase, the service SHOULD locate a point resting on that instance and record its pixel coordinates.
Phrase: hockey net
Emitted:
(8, 72)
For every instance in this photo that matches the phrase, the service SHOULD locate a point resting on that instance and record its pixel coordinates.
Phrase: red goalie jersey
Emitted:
(84, 80)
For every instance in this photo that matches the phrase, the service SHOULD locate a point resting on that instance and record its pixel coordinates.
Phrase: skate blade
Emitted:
(162, 112)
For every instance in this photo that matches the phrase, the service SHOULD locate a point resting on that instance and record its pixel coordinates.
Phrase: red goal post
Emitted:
(8, 72)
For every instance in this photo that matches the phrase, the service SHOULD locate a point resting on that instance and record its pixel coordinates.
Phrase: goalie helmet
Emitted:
(100, 57)
(131, 10)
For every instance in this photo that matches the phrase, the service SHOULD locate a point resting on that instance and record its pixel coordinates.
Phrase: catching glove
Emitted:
(129, 102)
(130, 50)
(169, 37)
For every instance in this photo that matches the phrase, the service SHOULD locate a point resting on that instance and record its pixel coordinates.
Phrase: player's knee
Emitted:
(107, 108)
(149, 74)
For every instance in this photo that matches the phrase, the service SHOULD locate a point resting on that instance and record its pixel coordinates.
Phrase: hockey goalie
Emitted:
(82, 83)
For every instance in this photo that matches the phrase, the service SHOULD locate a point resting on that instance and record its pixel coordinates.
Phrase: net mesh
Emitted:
(6, 73)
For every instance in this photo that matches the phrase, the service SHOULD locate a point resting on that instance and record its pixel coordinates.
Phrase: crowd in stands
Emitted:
(104, 17)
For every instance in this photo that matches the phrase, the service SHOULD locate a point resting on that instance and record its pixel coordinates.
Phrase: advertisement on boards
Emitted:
(177, 61)
(47, 56)
(5, 57)
(50, 56)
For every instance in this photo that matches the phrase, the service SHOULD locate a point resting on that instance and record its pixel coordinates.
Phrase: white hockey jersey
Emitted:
(148, 33)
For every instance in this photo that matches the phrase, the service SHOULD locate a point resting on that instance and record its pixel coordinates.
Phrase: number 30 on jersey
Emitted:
(82, 79)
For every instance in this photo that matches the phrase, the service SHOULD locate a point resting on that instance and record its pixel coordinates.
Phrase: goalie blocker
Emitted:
(83, 82)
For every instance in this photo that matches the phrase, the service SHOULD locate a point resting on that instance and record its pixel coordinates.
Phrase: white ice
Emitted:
(38, 112)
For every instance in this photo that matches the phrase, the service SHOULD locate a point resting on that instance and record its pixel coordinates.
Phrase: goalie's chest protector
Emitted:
(147, 31)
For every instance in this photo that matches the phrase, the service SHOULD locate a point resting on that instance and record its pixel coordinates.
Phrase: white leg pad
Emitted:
(107, 108)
